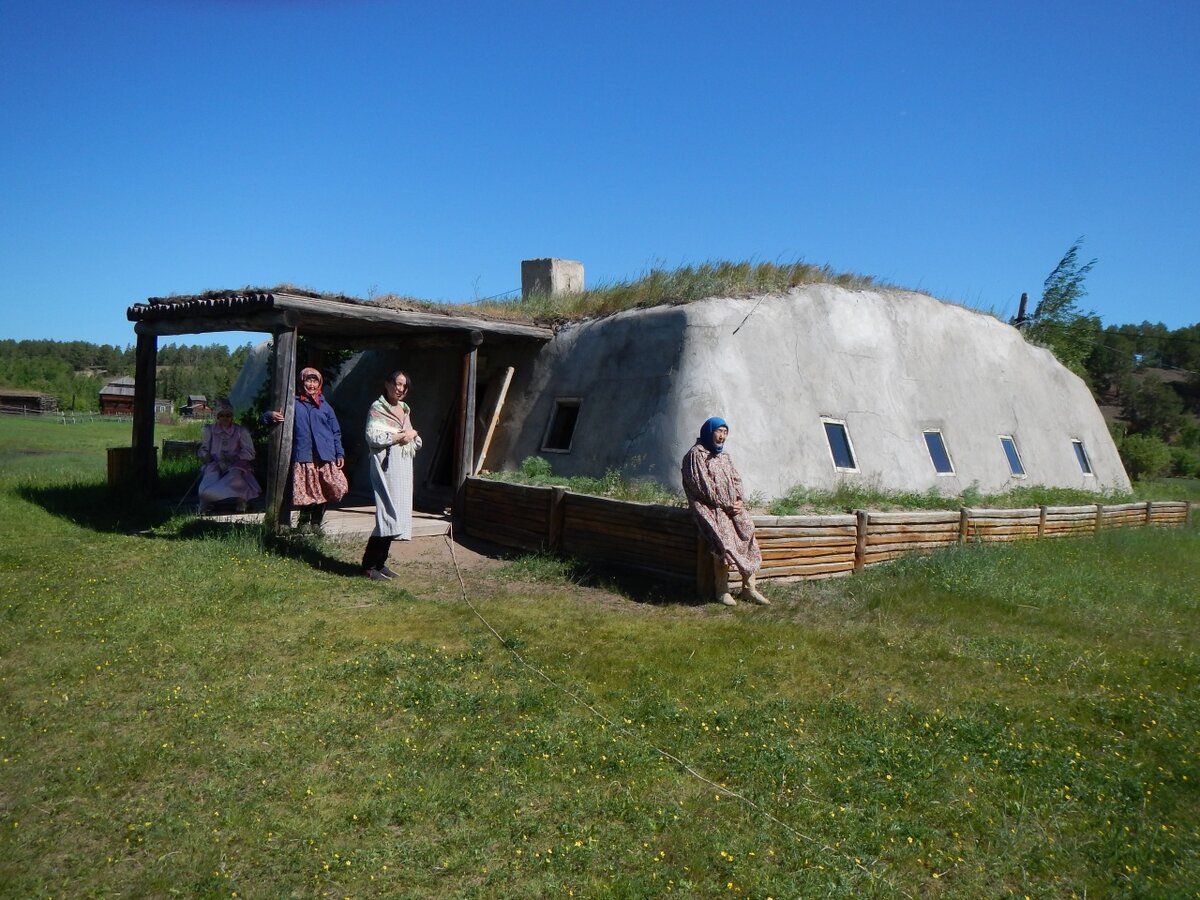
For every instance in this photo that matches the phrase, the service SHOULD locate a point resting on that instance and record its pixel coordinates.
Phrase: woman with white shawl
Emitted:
(393, 443)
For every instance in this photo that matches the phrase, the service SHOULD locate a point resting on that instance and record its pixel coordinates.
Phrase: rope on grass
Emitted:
(618, 726)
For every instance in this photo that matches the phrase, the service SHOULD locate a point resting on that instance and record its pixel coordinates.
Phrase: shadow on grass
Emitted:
(122, 510)
(98, 507)
(547, 568)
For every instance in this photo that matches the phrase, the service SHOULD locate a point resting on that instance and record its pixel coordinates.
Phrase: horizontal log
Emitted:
(507, 538)
(1012, 528)
(974, 512)
(627, 535)
(661, 568)
(1024, 522)
(792, 544)
(815, 531)
(1168, 504)
(817, 576)
(806, 570)
(877, 540)
(624, 510)
(841, 519)
(915, 517)
(1071, 510)
(808, 553)
(498, 491)
(618, 539)
(599, 546)
(511, 501)
(1122, 507)
(655, 510)
(507, 517)
(574, 514)
(939, 528)
(266, 321)
(894, 548)
(368, 318)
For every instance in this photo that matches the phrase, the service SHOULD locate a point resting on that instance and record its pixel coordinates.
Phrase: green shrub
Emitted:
(535, 467)
(1185, 462)
(1145, 456)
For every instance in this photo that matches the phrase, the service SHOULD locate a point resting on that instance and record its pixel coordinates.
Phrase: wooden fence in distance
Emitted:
(663, 540)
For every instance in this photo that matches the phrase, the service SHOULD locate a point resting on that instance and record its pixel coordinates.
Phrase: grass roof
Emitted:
(655, 287)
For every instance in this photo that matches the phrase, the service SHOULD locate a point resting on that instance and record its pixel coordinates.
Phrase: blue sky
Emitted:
(177, 146)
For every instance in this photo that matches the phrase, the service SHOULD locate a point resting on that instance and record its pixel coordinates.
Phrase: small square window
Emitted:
(1081, 455)
(938, 454)
(561, 430)
(840, 448)
(1014, 458)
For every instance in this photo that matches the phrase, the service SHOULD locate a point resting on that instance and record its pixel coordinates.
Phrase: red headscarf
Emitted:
(305, 396)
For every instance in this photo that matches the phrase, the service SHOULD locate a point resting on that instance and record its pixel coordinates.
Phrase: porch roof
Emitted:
(322, 318)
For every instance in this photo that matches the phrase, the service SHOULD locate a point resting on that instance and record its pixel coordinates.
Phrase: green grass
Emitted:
(1169, 489)
(850, 496)
(685, 284)
(187, 710)
(535, 471)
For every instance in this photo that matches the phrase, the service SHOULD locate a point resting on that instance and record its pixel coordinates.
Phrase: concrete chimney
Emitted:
(551, 276)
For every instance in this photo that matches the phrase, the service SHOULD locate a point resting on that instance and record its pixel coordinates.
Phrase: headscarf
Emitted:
(221, 408)
(302, 394)
(706, 434)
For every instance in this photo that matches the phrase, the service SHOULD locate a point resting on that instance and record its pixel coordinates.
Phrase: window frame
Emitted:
(945, 451)
(559, 404)
(826, 421)
(1082, 457)
(1016, 452)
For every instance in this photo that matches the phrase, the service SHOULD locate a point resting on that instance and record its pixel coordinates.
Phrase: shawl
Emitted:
(384, 423)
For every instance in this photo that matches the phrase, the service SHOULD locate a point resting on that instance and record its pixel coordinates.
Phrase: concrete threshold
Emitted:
(348, 521)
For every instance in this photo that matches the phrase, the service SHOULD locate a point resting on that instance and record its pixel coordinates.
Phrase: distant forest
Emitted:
(1146, 378)
(75, 371)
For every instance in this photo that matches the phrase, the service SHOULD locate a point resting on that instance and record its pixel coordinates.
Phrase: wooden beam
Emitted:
(145, 466)
(279, 459)
(466, 429)
(493, 402)
(367, 318)
(266, 322)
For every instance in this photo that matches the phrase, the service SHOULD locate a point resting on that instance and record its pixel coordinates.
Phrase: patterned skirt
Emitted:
(317, 484)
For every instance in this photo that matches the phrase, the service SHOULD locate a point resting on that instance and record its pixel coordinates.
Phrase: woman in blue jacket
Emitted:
(317, 454)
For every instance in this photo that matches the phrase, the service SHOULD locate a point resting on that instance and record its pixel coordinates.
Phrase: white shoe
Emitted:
(749, 593)
(727, 599)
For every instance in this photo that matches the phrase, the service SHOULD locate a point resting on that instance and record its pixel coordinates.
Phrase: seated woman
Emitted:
(226, 452)
(715, 497)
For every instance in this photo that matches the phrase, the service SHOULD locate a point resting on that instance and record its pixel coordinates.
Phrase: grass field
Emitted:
(185, 711)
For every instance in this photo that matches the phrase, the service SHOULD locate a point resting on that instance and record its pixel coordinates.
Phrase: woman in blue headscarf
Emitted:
(715, 497)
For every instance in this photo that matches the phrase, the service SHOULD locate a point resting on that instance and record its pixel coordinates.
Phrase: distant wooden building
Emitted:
(196, 407)
(116, 397)
(14, 400)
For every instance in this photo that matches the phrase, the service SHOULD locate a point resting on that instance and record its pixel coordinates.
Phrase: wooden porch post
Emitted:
(279, 458)
(145, 465)
(466, 423)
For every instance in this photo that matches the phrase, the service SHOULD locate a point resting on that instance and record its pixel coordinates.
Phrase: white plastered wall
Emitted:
(890, 364)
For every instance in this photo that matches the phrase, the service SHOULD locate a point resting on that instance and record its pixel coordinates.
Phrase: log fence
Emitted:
(663, 541)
